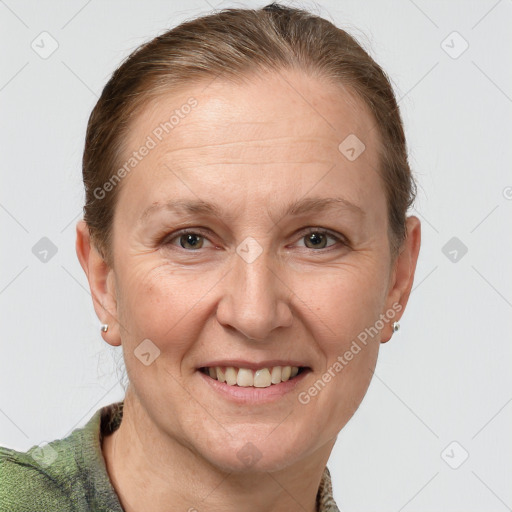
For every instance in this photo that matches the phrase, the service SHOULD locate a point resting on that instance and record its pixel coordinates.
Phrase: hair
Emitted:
(233, 43)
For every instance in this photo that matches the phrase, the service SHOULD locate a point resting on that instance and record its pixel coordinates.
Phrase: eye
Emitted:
(316, 238)
(188, 240)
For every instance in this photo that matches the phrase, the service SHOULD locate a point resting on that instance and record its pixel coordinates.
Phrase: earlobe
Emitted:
(101, 283)
(403, 274)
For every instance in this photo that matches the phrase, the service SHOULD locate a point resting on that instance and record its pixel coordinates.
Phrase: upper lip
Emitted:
(241, 363)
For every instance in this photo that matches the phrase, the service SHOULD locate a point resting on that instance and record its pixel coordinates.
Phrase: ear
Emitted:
(101, 283)
(402, 276)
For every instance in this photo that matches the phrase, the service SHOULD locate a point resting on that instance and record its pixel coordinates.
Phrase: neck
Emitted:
(148, 466)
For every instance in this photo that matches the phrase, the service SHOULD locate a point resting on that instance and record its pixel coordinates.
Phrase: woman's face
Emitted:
(286, 262)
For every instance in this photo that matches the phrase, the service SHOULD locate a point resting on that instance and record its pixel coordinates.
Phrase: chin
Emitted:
(255, 454)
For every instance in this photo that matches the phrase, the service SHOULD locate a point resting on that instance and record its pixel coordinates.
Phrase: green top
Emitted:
(70, 474)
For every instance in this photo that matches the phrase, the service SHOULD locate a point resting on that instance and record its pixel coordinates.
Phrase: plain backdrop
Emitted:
(433, 432)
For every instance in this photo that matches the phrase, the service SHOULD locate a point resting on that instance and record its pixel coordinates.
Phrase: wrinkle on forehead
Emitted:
(267, 109)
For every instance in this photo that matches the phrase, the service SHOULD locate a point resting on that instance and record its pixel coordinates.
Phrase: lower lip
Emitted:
(252, 395)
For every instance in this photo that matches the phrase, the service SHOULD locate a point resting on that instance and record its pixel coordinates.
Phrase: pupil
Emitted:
(191, 239)
(316, 238)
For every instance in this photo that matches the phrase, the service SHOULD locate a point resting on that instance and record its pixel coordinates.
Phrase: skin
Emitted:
(251, 149)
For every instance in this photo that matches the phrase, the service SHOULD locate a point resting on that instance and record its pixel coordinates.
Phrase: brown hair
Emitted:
(232, 43)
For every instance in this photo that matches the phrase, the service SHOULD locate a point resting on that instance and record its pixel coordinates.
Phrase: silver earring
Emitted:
(104, 327)
(396, 326)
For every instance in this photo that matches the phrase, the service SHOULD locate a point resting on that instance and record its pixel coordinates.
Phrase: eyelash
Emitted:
(340, 240)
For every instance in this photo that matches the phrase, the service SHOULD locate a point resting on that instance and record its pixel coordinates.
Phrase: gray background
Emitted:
(444, 378)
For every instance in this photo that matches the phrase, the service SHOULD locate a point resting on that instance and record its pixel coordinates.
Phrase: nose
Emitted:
(255, 298)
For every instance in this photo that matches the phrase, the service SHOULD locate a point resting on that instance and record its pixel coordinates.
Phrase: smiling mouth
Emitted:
(245, 377)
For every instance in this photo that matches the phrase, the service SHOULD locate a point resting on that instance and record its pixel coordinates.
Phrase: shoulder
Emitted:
(64, 475)
(26, 485)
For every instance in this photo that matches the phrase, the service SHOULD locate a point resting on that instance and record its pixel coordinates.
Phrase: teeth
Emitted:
(276, 375)
(230, 376)
(221, 376)
(244, 377)
(262, 378)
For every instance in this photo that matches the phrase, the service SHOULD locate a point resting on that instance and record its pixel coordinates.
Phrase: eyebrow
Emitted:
(299, 207)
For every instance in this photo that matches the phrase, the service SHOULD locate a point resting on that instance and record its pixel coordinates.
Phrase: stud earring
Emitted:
(395, 326)
(104, 327)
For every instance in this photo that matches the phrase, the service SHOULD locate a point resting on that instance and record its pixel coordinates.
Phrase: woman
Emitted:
(245, 240)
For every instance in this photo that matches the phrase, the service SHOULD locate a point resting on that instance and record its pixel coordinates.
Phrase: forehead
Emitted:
(277, 108)
(280, 129)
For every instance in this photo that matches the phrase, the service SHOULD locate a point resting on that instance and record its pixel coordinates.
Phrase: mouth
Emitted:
(264, 377)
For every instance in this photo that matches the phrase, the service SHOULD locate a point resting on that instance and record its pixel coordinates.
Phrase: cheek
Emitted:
(345, 305)
(343, 301)
(345, 310)
(161, 303)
